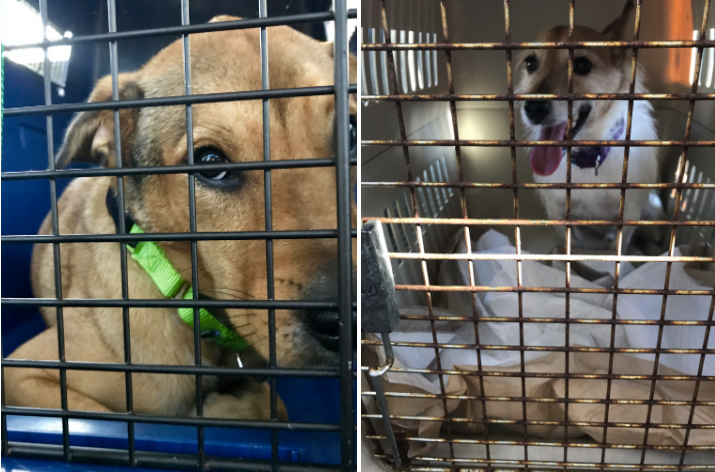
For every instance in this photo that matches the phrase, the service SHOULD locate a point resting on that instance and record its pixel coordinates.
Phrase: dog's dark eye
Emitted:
(211, 156)
(531, 64)
(213, 177)
(353, 134)
(582, 65)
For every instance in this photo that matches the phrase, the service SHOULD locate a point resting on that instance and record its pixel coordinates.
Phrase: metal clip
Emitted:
(598, 163)
(377, 374)
(241, 365)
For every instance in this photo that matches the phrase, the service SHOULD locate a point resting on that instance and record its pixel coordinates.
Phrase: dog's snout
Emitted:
(537, 110)
(323, 324)
(325, 328)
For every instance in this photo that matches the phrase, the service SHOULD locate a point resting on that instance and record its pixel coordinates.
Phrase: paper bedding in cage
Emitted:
(495, 273)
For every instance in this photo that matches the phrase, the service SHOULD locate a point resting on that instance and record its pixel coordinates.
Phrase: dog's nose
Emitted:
(325, 328)
(537, 111)
(324, 324)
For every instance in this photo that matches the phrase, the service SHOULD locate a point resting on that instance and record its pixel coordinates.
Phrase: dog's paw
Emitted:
(252, 403)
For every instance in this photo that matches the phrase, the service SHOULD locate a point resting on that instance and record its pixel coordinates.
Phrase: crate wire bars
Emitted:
(344, 233)
(451, 462)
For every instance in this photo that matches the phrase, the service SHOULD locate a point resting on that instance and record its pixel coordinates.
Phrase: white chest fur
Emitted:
(604, 204)
(599, 203)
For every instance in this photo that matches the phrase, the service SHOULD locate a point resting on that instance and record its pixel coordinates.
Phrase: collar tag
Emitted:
(586, 157)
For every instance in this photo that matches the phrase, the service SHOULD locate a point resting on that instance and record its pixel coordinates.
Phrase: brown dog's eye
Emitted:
(531, 64)
(211, 156)
(215, 177)
(582, 65)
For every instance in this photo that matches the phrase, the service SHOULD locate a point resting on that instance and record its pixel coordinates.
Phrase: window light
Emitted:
(22, 24)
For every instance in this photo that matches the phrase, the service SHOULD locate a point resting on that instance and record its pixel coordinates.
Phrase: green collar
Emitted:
(152, 259)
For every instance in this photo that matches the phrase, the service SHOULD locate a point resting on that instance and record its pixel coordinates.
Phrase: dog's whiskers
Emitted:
(235, 290)
(239, 315)
(229, 296)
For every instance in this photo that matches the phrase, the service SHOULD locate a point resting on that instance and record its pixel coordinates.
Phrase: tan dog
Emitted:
(594, 71)
(302, 199)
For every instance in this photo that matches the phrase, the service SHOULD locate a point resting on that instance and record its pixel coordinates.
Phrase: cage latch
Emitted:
(379, 312)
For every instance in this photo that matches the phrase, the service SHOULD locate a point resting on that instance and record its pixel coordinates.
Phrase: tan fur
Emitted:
(303, 199)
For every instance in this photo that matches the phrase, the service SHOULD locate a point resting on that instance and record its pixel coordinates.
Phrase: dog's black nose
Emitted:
(325, 328)
(537, 111)
(324, 324)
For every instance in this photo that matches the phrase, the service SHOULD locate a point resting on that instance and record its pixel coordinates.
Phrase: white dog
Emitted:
(594, 71)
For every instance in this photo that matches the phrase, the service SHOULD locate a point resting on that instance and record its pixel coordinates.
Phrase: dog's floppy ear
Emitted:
(90, 136)
(352, 66)
(617, 30)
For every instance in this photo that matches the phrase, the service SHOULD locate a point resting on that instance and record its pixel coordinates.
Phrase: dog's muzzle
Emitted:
(324, 324)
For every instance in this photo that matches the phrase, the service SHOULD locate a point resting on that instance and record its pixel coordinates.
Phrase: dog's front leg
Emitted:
(35, 388)
(247, 400)
(40, 388)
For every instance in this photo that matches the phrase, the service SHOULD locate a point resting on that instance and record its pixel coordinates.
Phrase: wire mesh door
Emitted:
(560, 404)
(130, 454)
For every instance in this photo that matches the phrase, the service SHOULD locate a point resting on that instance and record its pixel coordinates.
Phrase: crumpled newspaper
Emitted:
(496, 273)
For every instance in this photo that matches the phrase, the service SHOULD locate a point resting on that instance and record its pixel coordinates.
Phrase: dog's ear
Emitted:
(90, 136)
(330, 47)
(617, 30)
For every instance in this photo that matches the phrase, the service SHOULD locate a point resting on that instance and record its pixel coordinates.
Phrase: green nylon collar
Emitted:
(152, 259)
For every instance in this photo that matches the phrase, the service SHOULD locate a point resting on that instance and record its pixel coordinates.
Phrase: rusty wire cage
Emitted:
(196, 453)
(551, 408)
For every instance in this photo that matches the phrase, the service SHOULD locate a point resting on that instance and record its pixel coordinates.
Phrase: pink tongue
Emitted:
(545, 160)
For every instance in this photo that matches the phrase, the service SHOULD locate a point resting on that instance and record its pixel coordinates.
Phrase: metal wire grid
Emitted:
(344, 234)
(489, 463)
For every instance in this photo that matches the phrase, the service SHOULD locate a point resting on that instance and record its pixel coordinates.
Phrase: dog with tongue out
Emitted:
(594, 71)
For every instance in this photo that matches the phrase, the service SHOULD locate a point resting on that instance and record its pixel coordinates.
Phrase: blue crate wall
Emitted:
(24, 203)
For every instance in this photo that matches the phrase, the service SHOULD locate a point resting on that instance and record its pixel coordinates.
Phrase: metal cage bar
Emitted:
(527, 143)
(185, 20)
(344, 233)
(671, 247)
(548, 375)
(345, 242)
(569, 166)
(55, 231)
(114, 66)
(463, 204)
(172, 101)
(513, 46)
(619, 234)
(189, 29)
(392, 71)
(268, 215)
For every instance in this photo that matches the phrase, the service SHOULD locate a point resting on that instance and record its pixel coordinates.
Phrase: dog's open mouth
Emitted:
(545, 160)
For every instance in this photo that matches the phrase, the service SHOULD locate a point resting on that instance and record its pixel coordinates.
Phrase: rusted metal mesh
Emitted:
(519, 398)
